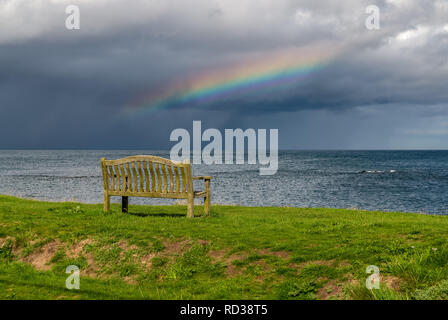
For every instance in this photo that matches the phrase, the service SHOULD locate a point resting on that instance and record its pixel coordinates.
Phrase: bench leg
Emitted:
(207, 198)
(190, 206)
(206, 205)
(124, 204)
(106, 203)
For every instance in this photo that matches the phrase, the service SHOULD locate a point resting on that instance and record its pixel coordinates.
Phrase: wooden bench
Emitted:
(154, 177)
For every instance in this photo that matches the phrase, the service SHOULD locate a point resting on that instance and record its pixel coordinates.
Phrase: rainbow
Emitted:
(272, 70)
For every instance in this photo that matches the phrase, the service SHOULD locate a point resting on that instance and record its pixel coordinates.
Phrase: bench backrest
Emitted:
(147, 176)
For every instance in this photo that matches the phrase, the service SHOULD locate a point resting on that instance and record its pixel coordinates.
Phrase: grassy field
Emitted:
(154, 252)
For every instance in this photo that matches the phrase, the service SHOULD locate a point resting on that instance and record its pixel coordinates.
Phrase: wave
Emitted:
(50, 176)
(378, 171)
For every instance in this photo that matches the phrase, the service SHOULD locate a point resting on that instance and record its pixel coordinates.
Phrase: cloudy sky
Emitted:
(136, 70)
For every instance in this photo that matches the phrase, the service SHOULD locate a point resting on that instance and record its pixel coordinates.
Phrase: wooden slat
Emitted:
(117, 173)
(145, 169)
(135, 176)
(184, 182)
(123, 178)
(176, 172)
(112, 177)
(129, 176)
(189, 179)
(140, 175)
(159, 178)
(153, 179)
(165, 178)
(170, 173)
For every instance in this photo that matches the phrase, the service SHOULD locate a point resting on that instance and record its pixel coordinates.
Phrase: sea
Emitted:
(407, 181)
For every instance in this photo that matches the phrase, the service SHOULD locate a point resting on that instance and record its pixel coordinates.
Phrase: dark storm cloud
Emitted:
(62, 88)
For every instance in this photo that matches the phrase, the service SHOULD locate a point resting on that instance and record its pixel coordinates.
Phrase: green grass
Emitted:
(154, 252)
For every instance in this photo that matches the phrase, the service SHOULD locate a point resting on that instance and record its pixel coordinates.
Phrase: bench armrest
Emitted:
(202, 178)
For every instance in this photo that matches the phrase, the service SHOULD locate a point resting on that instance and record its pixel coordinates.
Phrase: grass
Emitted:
(154, 252)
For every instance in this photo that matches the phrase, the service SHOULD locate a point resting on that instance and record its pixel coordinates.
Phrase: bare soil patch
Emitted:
(391, 282)
(146, 260)
(233, 271)
(217, 255)
(41, 257)
(77, 249)
(125, 246)
(176, 247)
